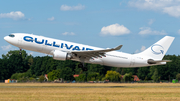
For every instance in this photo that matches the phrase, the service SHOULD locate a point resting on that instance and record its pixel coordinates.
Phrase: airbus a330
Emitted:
(64, 50)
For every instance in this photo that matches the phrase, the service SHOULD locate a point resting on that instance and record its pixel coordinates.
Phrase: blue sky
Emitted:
(136, 24)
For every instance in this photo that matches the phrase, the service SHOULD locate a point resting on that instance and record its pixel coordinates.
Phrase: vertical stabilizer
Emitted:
(159, 49)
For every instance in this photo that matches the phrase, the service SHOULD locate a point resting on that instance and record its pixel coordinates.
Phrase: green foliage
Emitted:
(93, 76)
(67, 74)
(178, 76)
(15, 52)
(81, 78)
(23, 77)
(112, 76)
(41, 78)
(103, 79)
(145, 78)
(17, 76)
(12, 63)
(77, 70)
(128, 77)
(155, 76)
(122, 72)
(55, 74)
(27, 67)
(31, 79)
(98, 68)
(143, 73)
(130, 70)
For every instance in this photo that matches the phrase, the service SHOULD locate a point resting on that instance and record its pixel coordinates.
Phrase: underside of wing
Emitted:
(94, 53)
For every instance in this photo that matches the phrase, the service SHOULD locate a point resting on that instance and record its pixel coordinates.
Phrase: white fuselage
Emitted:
(48, 45)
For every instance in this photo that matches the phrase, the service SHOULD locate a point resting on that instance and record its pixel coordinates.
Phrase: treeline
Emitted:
(28, 68)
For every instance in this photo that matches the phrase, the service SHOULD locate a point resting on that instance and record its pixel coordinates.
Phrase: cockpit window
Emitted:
(11, 35)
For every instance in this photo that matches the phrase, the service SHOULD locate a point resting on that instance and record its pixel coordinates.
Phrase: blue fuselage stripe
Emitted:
(54, 44)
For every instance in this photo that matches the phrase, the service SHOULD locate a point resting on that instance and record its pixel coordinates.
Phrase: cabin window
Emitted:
(11, 35)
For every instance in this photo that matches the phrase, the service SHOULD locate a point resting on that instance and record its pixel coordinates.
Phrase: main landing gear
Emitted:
(81, 65)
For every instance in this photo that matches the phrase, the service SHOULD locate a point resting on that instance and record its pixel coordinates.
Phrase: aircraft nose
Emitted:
(9, 40)
(6, 38)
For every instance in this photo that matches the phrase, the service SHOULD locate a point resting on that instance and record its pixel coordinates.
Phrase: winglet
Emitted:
(118, 47)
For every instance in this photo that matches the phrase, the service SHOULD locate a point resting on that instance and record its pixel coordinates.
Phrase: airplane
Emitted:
(64, 50)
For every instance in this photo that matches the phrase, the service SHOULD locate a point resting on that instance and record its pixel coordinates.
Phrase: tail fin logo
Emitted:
(157, 49)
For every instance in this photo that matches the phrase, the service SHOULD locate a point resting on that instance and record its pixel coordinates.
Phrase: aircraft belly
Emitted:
(47, 49)
(96, 61)
(116, 62)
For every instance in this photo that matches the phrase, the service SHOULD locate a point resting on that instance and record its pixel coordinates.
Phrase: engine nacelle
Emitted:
(151, 61)
(59, 55)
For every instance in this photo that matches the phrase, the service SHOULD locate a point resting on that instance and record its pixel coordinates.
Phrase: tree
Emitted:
(30, 66)
(55, 74)
(17, 76)
(131, 70)
(36, 67)
(41, 78)
(113, 76)
(16, 63)
(155, 76)
(118, 70)
(66, 74)
(77, 70)
(12, 63)
(143, 73)
(81, 78)
(128, 77)
(3, 69)
(178, 76)
(16, 52)
(122, 72)
(30, 61)
(98, 68)
(93, 76)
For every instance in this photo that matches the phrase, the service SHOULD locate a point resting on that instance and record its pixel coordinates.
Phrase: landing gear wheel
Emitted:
(80, 65)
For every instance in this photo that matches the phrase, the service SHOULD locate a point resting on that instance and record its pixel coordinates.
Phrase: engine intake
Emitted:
(59, 55)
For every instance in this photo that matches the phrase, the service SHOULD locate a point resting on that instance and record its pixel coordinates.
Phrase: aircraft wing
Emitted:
(94, 53)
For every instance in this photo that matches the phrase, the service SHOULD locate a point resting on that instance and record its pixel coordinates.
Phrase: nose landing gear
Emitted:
(20, 53)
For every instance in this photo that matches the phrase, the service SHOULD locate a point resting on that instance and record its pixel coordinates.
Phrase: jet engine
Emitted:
(60, 55)
(151, 61)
